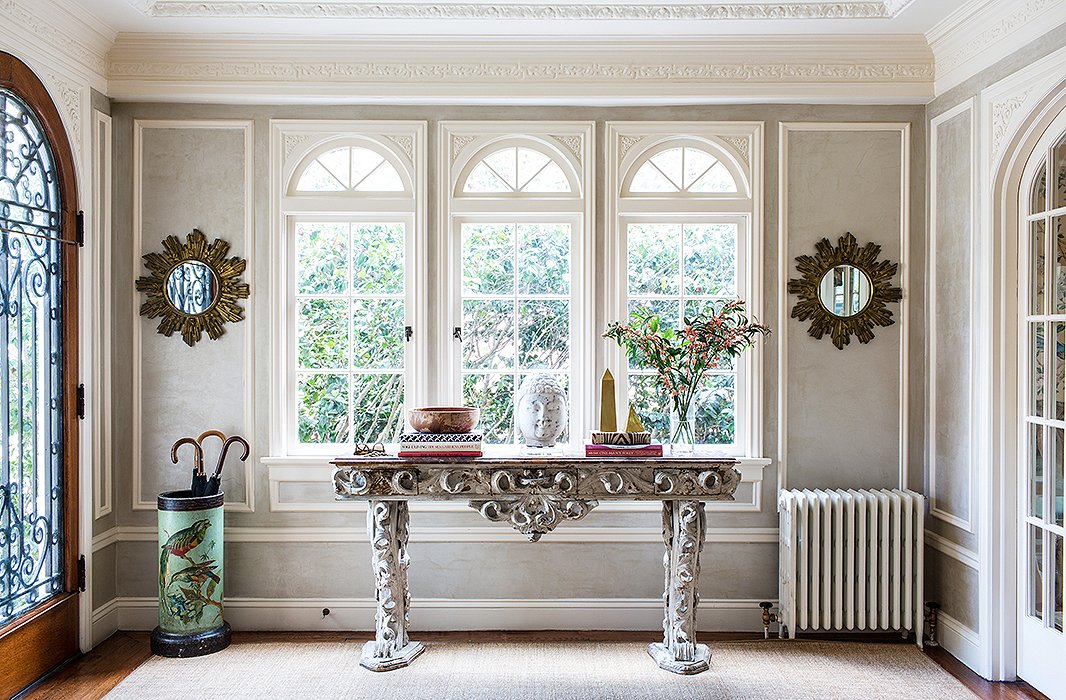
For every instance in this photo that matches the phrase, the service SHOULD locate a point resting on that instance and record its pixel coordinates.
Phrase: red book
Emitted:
(653, 450)
(422, 453)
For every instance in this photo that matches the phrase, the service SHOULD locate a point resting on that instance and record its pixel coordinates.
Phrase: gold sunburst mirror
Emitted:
(844, 289)
(194, 287)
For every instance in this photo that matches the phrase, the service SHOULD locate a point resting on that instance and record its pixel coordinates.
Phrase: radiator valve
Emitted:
(931, 609)
(767, 618)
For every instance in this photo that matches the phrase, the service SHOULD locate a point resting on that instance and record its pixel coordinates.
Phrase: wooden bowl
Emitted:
(444, 419)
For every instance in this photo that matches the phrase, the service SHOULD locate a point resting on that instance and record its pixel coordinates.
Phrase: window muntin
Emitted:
(517, 316)
(349, 340)
(682, 169)
(349, 169)
(679, 270)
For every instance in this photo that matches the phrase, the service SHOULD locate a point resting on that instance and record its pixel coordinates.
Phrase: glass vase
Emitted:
(682, 431)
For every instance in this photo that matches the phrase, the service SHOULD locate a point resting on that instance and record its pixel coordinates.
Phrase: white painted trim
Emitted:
(99, 386)
(966, 524)
(455, 614)
(459, 144)
(959, 640)
(104, 621)
(318, 470)
(983, 32)
(291, 142)
(1013, 114)
(862, 69)
(247, 505)
(784, 271)
(577, 534)
(953, 549)
(61, 35)
(628, 145)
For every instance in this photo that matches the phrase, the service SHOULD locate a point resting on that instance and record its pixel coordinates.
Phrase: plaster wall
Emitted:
(192, 177)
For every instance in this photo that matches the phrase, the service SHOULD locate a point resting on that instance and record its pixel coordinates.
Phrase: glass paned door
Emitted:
(31, 354)
(1041, 643)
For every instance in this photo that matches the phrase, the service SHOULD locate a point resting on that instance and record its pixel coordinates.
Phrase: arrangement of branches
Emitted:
(682, 357)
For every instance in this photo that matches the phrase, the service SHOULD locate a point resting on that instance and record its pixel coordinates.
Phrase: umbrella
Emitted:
(215, 481)
(199, 477)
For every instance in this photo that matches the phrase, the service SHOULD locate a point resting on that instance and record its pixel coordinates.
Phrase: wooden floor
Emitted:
(94, 674)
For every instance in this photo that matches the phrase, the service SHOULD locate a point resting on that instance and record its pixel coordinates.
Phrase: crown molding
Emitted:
(348, 9)
(983, 32)
(867, 69)
(62, 32)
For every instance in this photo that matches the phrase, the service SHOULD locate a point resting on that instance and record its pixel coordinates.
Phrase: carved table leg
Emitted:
(391, 648)
(683, 529)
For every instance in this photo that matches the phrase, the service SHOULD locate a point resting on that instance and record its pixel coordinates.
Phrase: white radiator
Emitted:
(851, 560)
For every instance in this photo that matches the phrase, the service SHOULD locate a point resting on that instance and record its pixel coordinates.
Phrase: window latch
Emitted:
(457, 333)
(408, 332)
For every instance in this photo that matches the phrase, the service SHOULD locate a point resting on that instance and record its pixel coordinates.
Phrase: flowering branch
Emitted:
(682, 357)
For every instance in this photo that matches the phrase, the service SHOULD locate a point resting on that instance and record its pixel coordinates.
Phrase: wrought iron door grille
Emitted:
(31, 561)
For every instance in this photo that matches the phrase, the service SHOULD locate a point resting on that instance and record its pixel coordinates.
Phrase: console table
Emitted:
(534, 495)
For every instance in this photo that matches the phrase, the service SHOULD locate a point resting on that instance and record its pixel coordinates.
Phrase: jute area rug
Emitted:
(565, 670)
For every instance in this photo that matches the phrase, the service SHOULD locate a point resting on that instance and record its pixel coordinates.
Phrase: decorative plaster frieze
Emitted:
(405, 143)
(414, 72)
(27, 18)
(295, 141)
(572, 143)
(982, 32)
(458, 144)
(625, 143)
(884, 9)
(70, 103)
(1002, 113)
(741, 143)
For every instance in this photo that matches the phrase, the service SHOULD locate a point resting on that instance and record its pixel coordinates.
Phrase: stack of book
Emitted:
(440, 445)
(654, 449)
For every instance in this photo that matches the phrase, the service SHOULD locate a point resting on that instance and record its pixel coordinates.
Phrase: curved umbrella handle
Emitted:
(198, 453)
(225, 450)
(211, 433)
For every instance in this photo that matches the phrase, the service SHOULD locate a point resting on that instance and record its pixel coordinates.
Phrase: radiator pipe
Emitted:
(767, 618)
(931, 609)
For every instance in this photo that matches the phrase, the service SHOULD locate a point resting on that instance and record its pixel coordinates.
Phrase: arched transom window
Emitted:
(682, 169)
(350, 169)
(516, 169)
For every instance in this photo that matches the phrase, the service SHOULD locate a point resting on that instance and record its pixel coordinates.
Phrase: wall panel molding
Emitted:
(953, 549)
(449, 614)
(448, 534)
(247, 503)
(99, 387)
(785, 267)
(937, 508)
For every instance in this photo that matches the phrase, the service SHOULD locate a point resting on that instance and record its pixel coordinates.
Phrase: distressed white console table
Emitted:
(534, 495)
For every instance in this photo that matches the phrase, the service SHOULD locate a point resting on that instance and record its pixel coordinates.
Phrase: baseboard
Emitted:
(960, 641)
(105, 620)
(439, 614)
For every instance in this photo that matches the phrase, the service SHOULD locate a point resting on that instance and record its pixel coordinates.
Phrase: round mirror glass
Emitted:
(844, 290)
(192, 287)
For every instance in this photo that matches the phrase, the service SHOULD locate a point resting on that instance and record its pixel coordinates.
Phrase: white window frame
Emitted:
(572, 145)
(293, 144)
(739, 146)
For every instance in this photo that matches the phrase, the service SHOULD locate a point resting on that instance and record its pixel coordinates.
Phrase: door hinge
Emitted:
(457, 333)
(80, 401)
(79, 229)
(408, 332)
(81, 573)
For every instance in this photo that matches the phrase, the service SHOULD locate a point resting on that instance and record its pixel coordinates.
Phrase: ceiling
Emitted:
(562, 18)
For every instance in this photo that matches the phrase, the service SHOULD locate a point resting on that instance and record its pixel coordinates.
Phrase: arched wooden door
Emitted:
(38, 379)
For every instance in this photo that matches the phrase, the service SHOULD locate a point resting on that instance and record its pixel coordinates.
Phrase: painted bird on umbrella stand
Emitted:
(179, 544)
